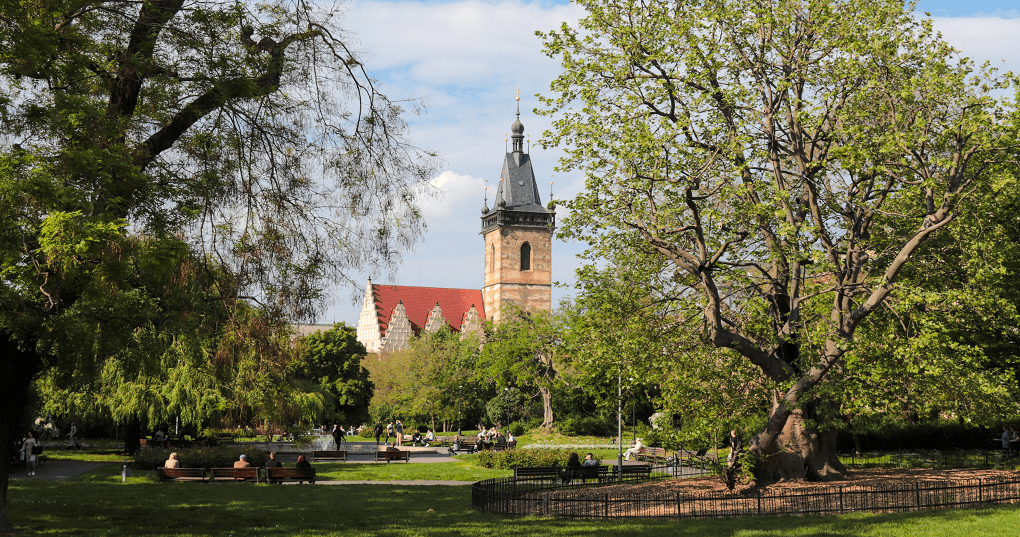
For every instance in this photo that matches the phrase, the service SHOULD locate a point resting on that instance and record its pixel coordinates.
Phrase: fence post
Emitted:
(841, 511)
(605, 505)
(917, 495)
(759, 502)
(981, 498)
(679, 508)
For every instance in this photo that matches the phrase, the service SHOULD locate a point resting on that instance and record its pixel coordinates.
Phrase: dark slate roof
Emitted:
(419, 301)
(519, 185)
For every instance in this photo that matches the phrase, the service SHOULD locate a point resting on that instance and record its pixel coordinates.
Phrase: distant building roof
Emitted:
(419, 302)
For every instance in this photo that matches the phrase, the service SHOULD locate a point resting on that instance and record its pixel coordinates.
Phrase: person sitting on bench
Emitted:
(634, 450)
(302, 462)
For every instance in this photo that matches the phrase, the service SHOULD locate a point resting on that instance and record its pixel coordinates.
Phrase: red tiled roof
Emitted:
(419, 301)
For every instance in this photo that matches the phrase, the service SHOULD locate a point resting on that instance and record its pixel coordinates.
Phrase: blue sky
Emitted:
(466, 58)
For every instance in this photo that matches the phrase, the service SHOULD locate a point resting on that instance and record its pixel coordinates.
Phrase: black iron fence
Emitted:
(514, 497)
(962, 458)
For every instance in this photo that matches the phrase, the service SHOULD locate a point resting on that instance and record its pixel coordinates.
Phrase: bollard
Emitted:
(125, 471)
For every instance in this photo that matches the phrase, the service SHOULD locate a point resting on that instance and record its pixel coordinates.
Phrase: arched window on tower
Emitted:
(525, 256)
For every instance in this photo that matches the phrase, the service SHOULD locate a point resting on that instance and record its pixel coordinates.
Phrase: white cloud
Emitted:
(983, 38)
(450, 191)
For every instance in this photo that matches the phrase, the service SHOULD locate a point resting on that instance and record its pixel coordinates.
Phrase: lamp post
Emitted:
(619, 428)
(459, 390)
(506, 401)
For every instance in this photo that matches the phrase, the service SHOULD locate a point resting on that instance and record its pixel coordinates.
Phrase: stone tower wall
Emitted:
(504, 281)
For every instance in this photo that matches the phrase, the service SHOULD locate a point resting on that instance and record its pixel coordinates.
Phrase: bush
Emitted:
(368, 432)
(523, 458)
(889, 435)
(208, 457)
(584, 425)
(516, 428)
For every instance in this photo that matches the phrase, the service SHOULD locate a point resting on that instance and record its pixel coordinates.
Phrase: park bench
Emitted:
(699, 459)
(279, 475)
(635, 470)
(538, 473)
(392, 456)
(336, 455)
(250, 473)
(652, 454)
(585, 473)
(180, 474)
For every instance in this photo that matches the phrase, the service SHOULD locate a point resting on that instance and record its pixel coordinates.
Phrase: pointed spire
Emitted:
(518, 128)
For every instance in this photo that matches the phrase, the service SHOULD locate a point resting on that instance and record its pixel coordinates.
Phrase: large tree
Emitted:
(787, 159)
(331, 360)
(248, 131)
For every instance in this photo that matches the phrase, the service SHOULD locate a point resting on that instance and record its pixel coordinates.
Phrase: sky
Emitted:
(465, 60)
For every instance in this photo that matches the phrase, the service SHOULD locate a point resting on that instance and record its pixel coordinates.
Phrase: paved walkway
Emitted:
(61, 470)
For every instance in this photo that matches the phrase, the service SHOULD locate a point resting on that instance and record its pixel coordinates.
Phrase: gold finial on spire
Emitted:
(518, 93)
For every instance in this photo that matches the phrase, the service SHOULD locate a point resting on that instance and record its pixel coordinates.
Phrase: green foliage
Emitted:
(585, 425)
(522, 458)
(331, 360)
(759, 177)
(209, 457)
(430, 381)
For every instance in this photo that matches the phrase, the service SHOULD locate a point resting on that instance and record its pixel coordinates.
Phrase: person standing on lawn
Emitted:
(378, 431)
(400, 433)
(27, 448)
(72, 441)
(389, 431)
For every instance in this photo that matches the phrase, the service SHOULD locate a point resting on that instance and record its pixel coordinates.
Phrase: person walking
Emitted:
(735, 445)
(72, 441)
(338, 435)
(389, 432)
(378, 431)
(27, 452)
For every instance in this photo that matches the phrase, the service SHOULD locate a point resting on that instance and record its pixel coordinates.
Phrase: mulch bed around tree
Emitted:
(865, 477)
(872, 490)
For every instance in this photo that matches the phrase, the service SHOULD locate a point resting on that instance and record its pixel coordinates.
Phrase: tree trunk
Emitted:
(547, 410)
(799, 451)
(16, 372)
(132, 432)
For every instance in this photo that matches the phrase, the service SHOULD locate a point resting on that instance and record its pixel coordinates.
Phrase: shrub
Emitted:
(207, 457)
(516, 428)
(367, 432)
(584, 425)
(523, 458)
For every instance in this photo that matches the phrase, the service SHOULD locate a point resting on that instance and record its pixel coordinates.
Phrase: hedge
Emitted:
(207, 457)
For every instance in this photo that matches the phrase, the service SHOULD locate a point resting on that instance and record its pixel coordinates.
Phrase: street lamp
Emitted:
(459, 397)
(506, 401)
(619, 428)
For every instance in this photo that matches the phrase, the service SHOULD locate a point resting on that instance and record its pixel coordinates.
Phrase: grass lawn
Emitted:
(98, 504)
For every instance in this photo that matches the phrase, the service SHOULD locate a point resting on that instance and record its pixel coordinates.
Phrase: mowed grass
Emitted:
(98, 504)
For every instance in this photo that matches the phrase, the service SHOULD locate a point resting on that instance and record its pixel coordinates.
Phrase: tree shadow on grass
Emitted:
(98, 505)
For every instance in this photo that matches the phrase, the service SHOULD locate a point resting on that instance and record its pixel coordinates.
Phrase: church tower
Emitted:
(518, 235)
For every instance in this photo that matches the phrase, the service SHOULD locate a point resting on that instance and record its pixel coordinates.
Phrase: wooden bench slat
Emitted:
(336, 455)
(392, 456)
(250, 473)
(182, 474)
(279, 475)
